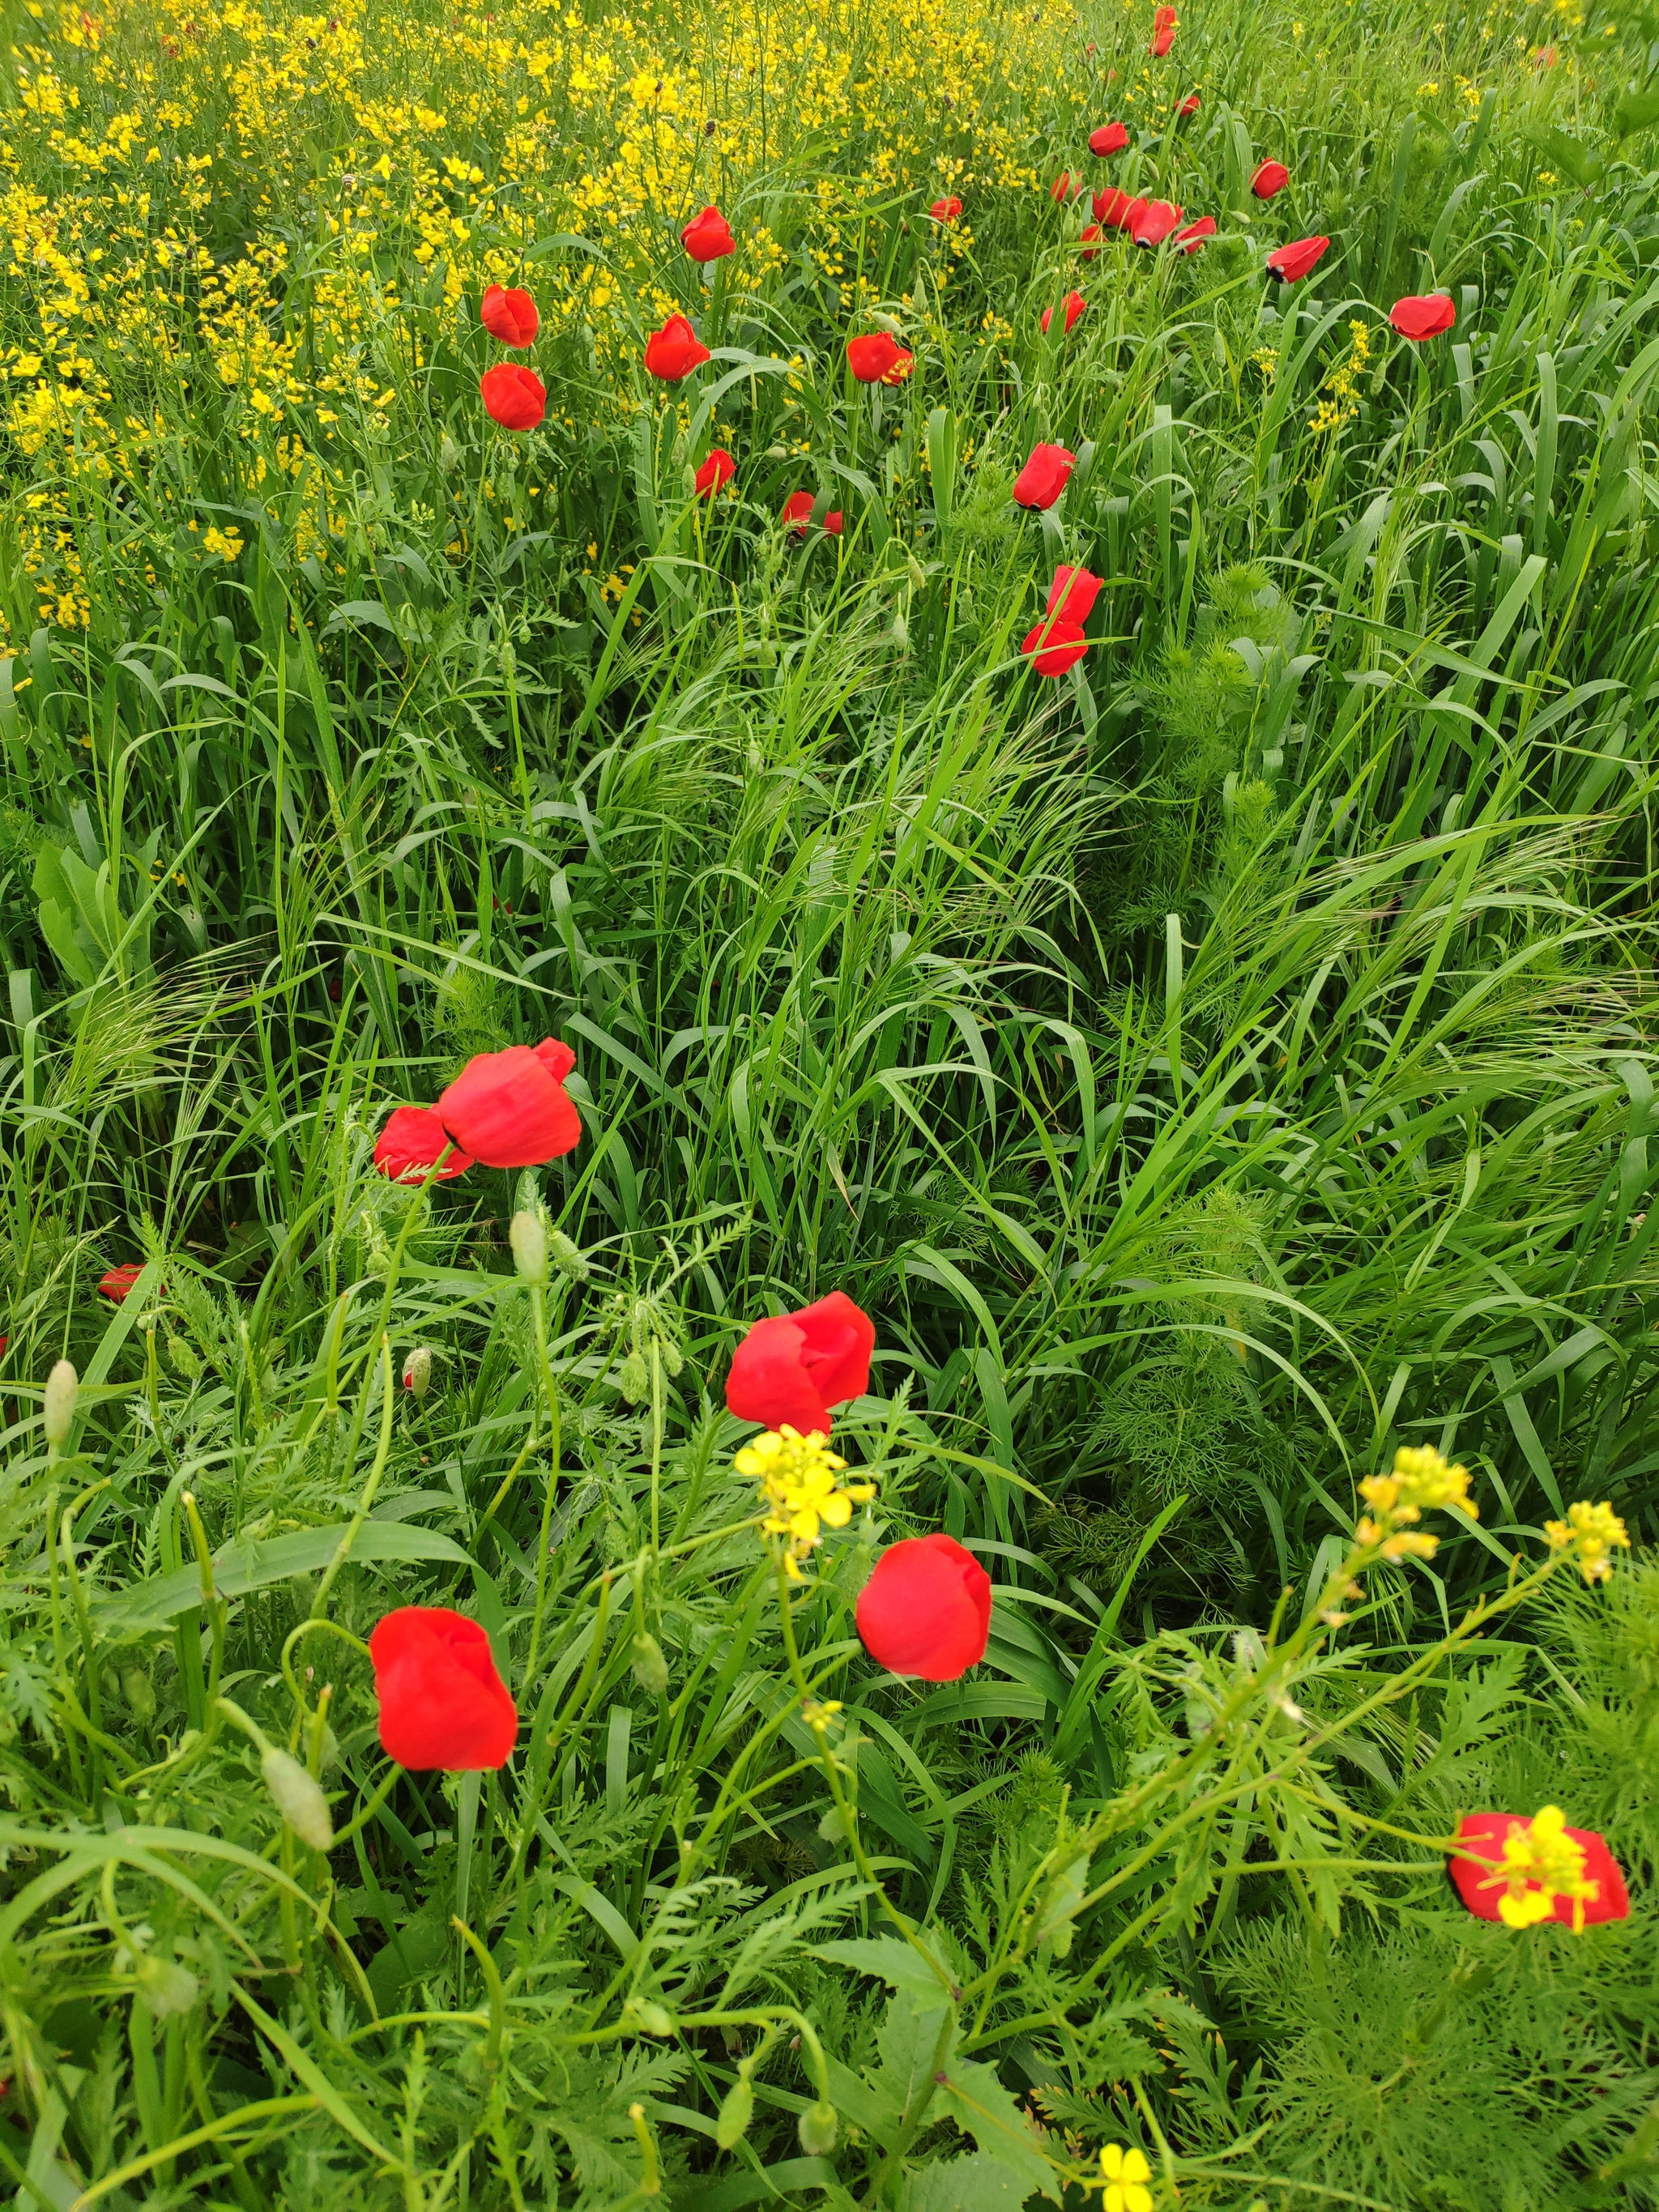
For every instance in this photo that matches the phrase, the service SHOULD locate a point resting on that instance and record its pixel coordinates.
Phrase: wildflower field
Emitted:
(827, 1106)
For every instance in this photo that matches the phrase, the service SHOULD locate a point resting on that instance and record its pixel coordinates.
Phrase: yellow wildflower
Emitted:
(1125, 2174)
(1541, 1862)
(796, 1475)
(1590, 1532)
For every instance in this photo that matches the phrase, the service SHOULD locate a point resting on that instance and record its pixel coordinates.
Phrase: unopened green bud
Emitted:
(299, 1799)
(164, 1985)
(140, 1696)
(634, 1380)
(735, 2114)
(651, 2018)
(568, 1257)
(529, 1247)
(650, 1668)
(449, 456)
(918, 574)
(417, 1373)
(62, 1386)
(817, 2129)
(182, 1353)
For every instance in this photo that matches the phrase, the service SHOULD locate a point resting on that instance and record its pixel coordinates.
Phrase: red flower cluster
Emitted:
(505, 1109)
(878, 359)
(1163, 32)
(514, 396)
(1057, 642)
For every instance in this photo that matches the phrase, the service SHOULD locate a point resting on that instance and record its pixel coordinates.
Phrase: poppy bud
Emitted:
(514, 396)
(1271, 177)
(509, 316)
(63, 1385)
(529, 1241)
(568, 1257)
(1418, 318)
(650, 1668)
(164, 1985)
(707, 237)
(672, 352)
(449, 454)
(794, 1367)
(733, 2123)
(1289, 263)
(1111, 138)
(817, 2129)
(926, 1610)
(137, 1689)
(417, 1373)
(1075, 306)
(650, 2018)
(716, 472)
(1043, 477)
(300, 1798)
(1054, 646)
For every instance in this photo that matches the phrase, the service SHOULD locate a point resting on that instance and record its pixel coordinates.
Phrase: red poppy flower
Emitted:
(1052, 648)
(1110, 206)
(674, 351)
(798, 512)
(1545, 58)
(1289, 263)
(945, 210)
(1472, 1877)
(1163, 31)
(716, 472)
(708, 236)
(509, 316)
(514, 396)
(1190, 106)
(1155, 222)
(1065, 188)
(1072, 595)
(1075, 304)
(1130, 214)
(926, 1610)
(410, 1141)
(1194, 234)
(878, 359)
(1111, 138)
(509, 1110)
(1418, 318)
(119, 1282)
(1089, 240)
(1271, 177)
(442, 1703)
(794, 1367)
(1043, 479)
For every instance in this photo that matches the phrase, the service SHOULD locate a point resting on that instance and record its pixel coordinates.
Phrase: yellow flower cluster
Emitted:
(1590, 1533)
(1341, 387)
(1422, 1479)
(798, 1490)
(1541, 1862)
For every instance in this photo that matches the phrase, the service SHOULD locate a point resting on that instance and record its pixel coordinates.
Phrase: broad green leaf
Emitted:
(978, 2183)
(246, 1567)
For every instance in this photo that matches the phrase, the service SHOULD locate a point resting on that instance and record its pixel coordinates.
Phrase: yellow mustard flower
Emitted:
(797, 1477)
(1541, 1862)
(1590, 1533)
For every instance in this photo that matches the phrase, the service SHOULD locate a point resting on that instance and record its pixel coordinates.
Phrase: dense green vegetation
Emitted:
(1213, 1069)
